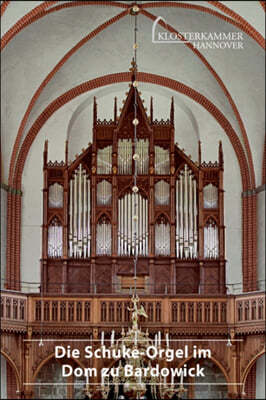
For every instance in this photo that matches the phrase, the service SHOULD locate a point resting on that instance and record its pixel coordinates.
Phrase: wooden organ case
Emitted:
(89, 204)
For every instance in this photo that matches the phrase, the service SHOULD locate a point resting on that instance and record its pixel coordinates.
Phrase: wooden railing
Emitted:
(250, 308)
(163, 310)
(13, 306)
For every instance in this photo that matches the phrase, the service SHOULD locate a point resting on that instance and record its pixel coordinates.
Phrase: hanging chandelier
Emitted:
(142, 383)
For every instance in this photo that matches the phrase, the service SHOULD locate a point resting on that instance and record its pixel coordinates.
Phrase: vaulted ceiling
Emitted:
(50, 48)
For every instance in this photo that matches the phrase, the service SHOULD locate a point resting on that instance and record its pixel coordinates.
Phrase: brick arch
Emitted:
(51, 74)
(250, 365)
(40, 11)
(224, 89)
(126, 77)
(4, 6)
(93, 34)
(263, 5)
(214, 360)
(14, 369)
(253, 32)
(31, 16)
(14, 201)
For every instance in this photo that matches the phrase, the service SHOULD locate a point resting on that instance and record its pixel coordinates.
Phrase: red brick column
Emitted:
(250, 386)
(11, 382)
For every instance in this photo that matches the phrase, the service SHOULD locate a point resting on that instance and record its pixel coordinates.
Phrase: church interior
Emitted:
(133, 195)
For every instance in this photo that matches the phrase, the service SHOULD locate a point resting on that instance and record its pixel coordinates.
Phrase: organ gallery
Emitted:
(98, 216)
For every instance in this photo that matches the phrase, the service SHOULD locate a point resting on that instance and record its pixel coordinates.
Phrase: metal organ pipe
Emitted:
(104, 160)
(186, 215)
(162, 238)
(124, 156)
(211, 240)
(55, 239)
(104, 238)
(177, 218)
(162, 161)
(132, 229)
(142, 149)
(195, 215)
(79, 215)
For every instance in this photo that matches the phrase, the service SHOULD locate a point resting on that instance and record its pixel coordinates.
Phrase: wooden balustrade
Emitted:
(13, 306)
(100, 310)
(250, 308)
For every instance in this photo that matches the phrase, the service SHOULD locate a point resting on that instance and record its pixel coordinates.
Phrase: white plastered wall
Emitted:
(260, 377)
(261, 239)
(3, 378)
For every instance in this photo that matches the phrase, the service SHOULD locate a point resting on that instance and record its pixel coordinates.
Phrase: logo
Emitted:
(162, 33)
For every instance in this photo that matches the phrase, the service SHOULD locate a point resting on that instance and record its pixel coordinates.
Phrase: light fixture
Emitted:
(135, 121)
(229, 343)
(135, 189)
(136, 157)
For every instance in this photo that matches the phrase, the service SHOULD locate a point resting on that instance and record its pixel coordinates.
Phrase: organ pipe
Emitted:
(55, 239)
(104, 237)
(133, 225)
(186, 215)
(210, 195)
(104, 160)
(124, 156)
(79, 215)
(211, 240)
(162, 161)
(162, 238)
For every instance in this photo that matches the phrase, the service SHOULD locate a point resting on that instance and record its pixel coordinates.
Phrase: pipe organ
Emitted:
(97, 215)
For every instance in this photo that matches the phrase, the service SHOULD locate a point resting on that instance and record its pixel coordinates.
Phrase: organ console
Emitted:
(96, 217)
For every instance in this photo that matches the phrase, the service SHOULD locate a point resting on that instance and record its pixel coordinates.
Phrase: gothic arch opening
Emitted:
(9, 380)
(212, 386)
(50, 384)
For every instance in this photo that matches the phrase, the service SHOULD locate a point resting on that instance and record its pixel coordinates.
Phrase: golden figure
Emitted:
(136, 312)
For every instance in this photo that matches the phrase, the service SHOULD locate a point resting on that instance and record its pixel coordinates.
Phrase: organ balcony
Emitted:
(182, 315)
